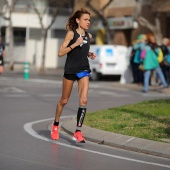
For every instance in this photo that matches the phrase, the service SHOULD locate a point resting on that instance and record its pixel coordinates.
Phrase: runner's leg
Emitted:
(83, 86)
(66, 91)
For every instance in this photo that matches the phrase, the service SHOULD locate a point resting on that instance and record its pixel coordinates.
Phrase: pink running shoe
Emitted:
(55, 132)
(78, 137)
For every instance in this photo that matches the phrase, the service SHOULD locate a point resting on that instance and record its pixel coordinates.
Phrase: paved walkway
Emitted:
(120, 141)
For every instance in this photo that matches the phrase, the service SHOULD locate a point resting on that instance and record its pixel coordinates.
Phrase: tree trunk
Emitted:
(109, 36)
(154, 28)
(42, 69)
(11, 44)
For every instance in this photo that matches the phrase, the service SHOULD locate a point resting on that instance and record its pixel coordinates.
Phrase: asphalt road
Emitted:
(27, 109)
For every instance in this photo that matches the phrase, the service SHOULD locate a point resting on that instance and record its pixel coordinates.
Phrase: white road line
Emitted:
(11, 90)
(16, 95)
(29, 95)
(49, 95)
(113, 94)
(28, 128)
(30, 82)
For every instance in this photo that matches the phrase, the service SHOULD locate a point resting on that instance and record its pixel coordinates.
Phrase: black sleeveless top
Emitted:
(77, 59)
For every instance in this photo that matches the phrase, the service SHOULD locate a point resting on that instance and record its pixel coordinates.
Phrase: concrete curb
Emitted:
(120, 141)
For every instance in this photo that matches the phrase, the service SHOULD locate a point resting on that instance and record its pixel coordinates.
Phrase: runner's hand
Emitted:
(79, 41)
(92, 55)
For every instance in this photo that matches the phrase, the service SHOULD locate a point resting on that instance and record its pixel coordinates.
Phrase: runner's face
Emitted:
(84, 21)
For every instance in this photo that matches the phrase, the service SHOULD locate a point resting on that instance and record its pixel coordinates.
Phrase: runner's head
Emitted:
(79, 18)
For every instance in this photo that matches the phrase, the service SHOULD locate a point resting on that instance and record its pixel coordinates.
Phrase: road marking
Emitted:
(113, 94)
(30, 82)
(57, 83)
(49, 95)
(11, 90)
(155, 95)
(28, 128)
(35, 80)
(17, 95)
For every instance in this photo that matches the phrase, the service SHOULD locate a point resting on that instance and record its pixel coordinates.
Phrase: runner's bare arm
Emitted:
(91, 55)
(64, 49)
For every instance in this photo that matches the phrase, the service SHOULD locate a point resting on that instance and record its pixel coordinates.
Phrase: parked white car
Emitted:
(110, 60)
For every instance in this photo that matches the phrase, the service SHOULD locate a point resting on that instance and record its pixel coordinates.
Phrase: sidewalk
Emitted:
(120, 141)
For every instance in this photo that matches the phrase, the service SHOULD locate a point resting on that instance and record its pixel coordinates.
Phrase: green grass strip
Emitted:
(148, 120)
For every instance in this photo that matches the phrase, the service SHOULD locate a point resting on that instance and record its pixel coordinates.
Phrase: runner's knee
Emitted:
(63, 101)
(83, 101)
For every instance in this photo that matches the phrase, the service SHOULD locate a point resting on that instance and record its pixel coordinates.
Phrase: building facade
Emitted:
(122, 21)
(27, 31)
(120, 17)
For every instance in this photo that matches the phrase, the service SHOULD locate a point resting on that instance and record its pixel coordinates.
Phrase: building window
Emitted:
(58, 33)
(3, 33)
(19, 36)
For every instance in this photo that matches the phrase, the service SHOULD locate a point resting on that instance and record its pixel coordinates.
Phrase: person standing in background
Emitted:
(150, 63)
(164, 65)
(2, 55)
(136, 59)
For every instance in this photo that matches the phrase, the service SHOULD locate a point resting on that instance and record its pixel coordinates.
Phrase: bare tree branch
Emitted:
(40, 16)
(101, 15)
(108, 3)
(57, 5)
(154, 28)
(95, 10)
(160, 5)
(4, 6)
(144, 22)
(138, 9)
(53, 19)
(157, 22)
